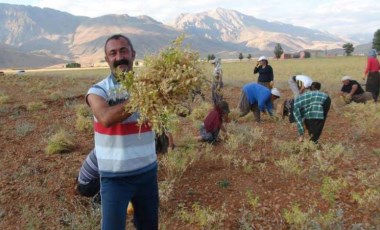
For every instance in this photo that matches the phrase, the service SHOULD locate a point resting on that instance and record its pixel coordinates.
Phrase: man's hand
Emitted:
(300, 138)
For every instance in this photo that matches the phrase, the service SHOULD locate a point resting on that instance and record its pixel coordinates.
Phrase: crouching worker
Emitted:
(88, 179)
(88, 183)
(257, 98)
(164, 143)
(352, 91)
(213, 123)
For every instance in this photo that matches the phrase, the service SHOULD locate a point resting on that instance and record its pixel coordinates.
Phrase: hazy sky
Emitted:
(340, 17)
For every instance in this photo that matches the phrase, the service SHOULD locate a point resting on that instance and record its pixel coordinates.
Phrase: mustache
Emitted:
(121, 62)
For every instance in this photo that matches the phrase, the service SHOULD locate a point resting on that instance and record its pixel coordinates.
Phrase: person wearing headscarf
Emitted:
(372, 74)
(352, 91)
(217, 82)
(299, 83)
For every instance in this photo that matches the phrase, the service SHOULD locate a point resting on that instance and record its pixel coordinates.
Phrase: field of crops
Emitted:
(258, 178)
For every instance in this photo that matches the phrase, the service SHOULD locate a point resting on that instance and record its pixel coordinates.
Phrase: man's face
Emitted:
(119, 55)
(345, 82)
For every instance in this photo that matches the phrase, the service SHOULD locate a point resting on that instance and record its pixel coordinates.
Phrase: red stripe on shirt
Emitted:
(122, 129)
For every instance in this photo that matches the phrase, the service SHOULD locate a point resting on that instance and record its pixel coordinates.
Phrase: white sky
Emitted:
(339, 17)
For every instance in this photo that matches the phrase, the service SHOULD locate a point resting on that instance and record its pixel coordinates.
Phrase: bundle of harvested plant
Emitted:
(165, 83)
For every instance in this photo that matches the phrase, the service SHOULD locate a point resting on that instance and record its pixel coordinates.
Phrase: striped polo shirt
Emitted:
(124, 149)
(89, 170)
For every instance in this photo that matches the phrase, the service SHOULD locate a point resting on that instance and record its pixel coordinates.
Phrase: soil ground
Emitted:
(37, 190)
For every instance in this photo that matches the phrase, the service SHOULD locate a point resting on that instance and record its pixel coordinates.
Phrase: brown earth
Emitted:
(37, 190)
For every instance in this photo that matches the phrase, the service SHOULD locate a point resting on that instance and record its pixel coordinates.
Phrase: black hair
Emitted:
(117, 37)
(315, 86)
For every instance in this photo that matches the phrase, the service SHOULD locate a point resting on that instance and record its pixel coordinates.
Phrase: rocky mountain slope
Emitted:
(225, 33)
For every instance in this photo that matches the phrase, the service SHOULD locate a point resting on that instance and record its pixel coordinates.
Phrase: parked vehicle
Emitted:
(19, 72)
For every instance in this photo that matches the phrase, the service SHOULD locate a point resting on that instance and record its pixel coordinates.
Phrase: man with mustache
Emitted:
(125, 152)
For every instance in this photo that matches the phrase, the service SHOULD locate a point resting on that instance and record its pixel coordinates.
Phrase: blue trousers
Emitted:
(141, 190)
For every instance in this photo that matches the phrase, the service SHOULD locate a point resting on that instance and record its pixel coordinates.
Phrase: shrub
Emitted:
(296, 217)
(369, 199)
(23, 128)
(203, 217)
(60, 142)
(331, 187)
(83, 123)
(73, 65)
(290, 164)
(252, 199)
(4, 99)
(34, 106)
(224, 183)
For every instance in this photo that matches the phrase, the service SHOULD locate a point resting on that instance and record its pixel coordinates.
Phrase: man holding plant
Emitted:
(125, 152)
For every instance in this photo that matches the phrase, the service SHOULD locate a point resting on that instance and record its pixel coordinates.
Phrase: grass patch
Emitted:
(331, 187)
(24, 128)
(4, 99)
(35, 106)
(224, 183)
(60, 142)
(203, 217)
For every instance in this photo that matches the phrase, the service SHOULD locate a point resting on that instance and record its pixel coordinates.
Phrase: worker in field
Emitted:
(372, 74)
(258, 99)
(126, 155)
(266, 77)
(311, 108)
(88, 181)
(298, 84)
(352, 91)
(217, 82)
(214, 123)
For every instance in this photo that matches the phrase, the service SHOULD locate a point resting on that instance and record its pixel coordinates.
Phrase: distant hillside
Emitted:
(12, 58)
(232, 26)
(52, 36)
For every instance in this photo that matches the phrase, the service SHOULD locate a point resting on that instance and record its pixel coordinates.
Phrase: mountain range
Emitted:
(33, 37)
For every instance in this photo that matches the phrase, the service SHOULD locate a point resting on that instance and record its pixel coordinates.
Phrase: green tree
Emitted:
(278, 51)
(307, 54)
(73, 65)
(241, 56)
(376, 41)
(348, 48)
(210, 57)
(249, 56)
